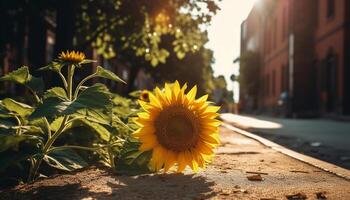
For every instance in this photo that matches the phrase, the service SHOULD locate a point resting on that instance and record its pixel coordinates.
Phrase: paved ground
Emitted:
(272, 176)
(325, 139)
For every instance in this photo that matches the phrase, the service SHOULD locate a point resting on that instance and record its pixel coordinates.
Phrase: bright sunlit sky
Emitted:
(224, 38)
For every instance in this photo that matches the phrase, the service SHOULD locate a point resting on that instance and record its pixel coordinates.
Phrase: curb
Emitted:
(325, 166)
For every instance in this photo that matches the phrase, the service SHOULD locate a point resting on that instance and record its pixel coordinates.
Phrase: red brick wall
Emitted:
(276, 52)
(330, 35)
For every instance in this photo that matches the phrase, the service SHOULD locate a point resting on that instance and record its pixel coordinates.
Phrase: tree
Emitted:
(249, 75)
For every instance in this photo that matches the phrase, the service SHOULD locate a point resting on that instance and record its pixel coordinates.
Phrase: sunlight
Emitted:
(250, 122)
(224, 38)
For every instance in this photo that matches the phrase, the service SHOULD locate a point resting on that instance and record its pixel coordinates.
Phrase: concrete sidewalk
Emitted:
(324, 139)
(243, 168)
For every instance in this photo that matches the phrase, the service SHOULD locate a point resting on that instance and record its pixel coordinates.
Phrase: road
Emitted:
(323, 138)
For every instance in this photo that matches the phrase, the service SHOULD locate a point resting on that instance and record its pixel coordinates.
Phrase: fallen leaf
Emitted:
(297, 196)
(251, 172)
(321, 195)
(256, 177)
(299, 171)
(225, 192)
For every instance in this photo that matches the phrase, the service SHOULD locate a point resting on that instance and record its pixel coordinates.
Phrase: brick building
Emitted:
(302, 46)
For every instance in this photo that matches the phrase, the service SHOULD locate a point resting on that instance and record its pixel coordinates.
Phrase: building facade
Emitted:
(302, 45)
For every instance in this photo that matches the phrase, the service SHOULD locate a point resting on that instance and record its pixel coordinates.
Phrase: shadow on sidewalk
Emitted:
(91, 184)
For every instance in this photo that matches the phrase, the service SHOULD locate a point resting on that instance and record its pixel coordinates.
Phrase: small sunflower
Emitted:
(72, 56)
(144, 95)
(178, 128)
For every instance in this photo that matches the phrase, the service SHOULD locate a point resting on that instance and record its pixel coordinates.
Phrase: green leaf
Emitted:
(56, 92)
(99, 129)
(53, 66)
(20, 76)
(67, 160)
(54, 126)
(135, 94)
(42, 124)
(94, 97)
(19, 108)
(4, 113)
(8, 140)
(52, 106)
(95, 115)
(36, 84)
(6, 124)
(87, 61)
(104, 73)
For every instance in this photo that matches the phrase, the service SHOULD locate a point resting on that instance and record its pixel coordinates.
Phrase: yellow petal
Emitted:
(212, 139)
(204, 148)
(181, 162)
(213, 109)
(160, 96)
(158, 156)
(170, 160)
(154, 101)
(148, 144)
(191, 95)
(168, 92)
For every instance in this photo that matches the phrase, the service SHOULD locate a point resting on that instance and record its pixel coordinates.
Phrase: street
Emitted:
(325, 139)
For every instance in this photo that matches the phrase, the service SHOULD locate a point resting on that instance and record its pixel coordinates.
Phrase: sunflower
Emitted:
(72, 56)
(178, 128)
(144, 95)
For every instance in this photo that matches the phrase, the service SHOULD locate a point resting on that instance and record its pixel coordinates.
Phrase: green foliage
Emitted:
(249, 73)
(33, 134)
(122, 26)
(23, 77)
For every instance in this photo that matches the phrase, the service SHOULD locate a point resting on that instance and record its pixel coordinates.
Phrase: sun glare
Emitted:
(224, 38)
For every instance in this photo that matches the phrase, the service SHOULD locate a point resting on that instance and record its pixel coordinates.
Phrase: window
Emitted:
(330, 8)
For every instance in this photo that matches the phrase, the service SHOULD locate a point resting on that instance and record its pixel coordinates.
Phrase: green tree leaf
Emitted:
(104, 73)
(67, 160)
(19, 108)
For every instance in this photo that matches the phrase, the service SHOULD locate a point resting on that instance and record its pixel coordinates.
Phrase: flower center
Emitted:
(176, 128)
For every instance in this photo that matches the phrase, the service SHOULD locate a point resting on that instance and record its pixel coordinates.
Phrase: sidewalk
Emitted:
(324, 139)
(272, 175)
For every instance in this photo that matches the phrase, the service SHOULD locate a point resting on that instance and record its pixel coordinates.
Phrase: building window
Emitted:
(330, 8)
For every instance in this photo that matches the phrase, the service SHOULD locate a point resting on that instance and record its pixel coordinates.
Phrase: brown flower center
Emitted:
(177, 128)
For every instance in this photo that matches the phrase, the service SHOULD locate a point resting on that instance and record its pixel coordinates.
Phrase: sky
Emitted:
(224, 38)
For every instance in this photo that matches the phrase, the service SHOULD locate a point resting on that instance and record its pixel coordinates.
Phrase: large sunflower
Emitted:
(179, 128)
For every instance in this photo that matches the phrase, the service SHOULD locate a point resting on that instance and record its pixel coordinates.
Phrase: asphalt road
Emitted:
(325, 139)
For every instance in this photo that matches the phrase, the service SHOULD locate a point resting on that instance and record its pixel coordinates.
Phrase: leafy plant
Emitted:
(30, 134)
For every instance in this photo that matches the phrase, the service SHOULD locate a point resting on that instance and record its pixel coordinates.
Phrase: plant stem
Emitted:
(19, 130)
(63, 124)
(81, 147)
(111, 157)
(81, 83)
(36, 97)
(63, 80)
(70, 81)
